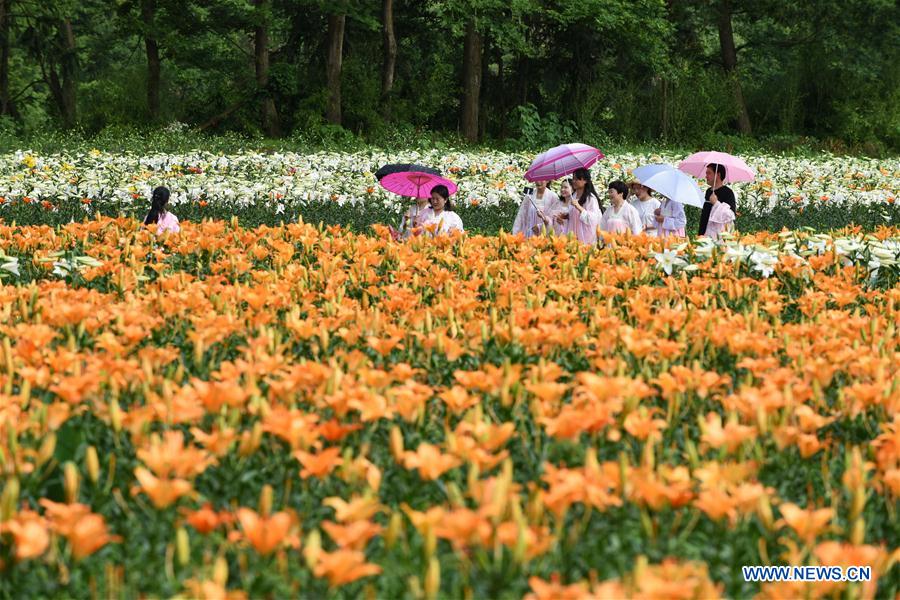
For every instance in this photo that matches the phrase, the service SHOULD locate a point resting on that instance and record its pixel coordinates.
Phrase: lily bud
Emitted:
(265, 500)
(858, 534)
(182, 546)
(394, 530)
(455, 495)
(764, 510)
(397, 444)
(10, 500)
(115, 415)
(432, 579)
(92, 463)
(415, 587)
(312, 548)
(520, 553)
(71, 479)
(48, 446)
(430, 542)
(220, 571)
(858, 504)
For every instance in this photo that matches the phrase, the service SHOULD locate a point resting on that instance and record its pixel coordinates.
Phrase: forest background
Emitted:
(515, 74)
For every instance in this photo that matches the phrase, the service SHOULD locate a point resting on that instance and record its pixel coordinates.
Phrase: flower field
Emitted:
(303, 411)
(338, 188)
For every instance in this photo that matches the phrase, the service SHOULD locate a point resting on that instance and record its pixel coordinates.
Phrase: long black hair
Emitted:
(441, 190)
(589, 190)
(157, 205)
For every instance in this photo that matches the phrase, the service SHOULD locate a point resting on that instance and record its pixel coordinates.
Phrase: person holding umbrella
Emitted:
(670, 218)
(717, 167)
(419, 185)
(533, 213)
(677, 189)
(443, 220)
(417, 213)
(717, 192)
(585, 210)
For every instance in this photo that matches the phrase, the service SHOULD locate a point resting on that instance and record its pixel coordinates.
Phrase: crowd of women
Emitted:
(577, 210)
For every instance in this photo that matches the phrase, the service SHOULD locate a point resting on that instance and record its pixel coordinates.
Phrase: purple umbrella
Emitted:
(415, 185)
(561, 161)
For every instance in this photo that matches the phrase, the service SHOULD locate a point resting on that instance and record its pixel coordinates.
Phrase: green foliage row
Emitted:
(595, 69)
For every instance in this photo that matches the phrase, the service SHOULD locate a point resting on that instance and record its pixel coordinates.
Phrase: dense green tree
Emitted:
(486, 69)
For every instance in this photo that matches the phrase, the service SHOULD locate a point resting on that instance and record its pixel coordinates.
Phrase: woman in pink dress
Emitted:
(585, 211)
(557, 217)
(165, 221)
(620, 217)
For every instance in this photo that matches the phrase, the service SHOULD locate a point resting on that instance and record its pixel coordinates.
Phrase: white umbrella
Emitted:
(671, 183)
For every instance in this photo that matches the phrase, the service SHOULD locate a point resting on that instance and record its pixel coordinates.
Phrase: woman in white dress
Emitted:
(620, 217)
(535, 205)
(670, 218)
(442, 219)
(646, 206)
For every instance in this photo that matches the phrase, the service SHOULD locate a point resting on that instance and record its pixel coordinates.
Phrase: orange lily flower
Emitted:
(30, 535)
(354, 535)
(344, 566)
(265, 534)
(429, 461)
(807, 523)
(318, 465)
(161, 491)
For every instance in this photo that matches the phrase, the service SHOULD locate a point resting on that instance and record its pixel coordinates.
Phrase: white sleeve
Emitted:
(519, 224)
(635, 220)
(604, 219)
(591, 215)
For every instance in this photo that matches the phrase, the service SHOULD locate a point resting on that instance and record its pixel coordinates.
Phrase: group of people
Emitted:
(576, 210)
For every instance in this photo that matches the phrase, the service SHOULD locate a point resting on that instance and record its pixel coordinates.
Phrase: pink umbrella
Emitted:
(735, 168)
(561, 161)
(413, 184)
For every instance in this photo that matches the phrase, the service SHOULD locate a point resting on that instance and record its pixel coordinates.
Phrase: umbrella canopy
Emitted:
(671, 183)
(400, 167)
(414, 184)
(735, 168)
(561, 161)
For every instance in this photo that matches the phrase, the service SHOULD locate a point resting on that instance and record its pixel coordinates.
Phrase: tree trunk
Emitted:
(68, 67)
(390, 57)
(261, 41)
(5, 104)
(729, 60)
(148, 17)
(333, 67)
(471, 81)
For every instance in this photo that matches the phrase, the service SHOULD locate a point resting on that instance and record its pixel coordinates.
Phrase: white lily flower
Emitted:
(11, 265)
(668, 259)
